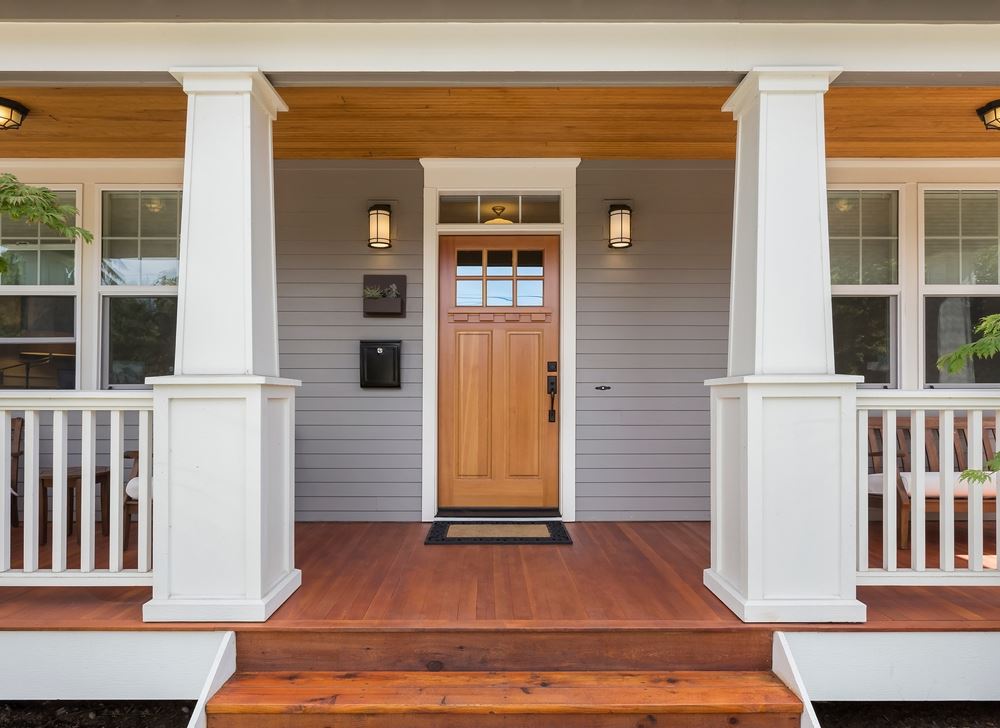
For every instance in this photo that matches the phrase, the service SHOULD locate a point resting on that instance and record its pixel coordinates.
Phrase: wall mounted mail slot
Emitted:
(380, 364)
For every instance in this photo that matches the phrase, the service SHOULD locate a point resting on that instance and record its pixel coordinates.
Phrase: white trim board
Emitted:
(888, 666)
(443, 47)
(501, 175)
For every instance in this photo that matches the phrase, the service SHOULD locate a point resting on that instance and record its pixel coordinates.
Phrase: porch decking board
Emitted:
(624, 576)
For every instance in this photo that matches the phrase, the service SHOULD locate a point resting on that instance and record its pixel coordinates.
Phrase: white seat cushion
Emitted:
(932, 485)
(875, 484)
(132, 489)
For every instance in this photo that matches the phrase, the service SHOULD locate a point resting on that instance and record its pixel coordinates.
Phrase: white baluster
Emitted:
(862, 490)
(946, 517)
(31, 504)
(117, 492)
(60, 504)
(918, 520)
(889, 490)
(5, 491)
(88, 461)
(145, 447)
(975, 446)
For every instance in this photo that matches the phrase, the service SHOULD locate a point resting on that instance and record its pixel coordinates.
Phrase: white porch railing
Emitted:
(74, 442)
(898, 434)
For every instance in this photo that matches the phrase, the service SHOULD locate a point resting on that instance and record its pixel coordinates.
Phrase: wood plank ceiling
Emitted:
(593, 123)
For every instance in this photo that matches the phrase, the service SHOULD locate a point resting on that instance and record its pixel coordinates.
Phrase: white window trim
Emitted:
(911, 177)
(893, 290)
(936, 289)
(90, 177)
(538, 176)
(106, 291)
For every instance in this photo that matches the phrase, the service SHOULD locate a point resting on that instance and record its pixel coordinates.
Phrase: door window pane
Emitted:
(863, 337)
(864, 236)
(499, 262)
(140, 238)
(141, 335)
(529, 293)
(961, 237)
(948, 324)
(499, 293)
(529, 263)
(35, 254)
(469, 293)
(470, 263)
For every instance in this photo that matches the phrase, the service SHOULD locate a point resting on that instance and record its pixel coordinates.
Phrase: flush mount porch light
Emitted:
(379, 217)
(11, 114)
(990, 114)
(620, 226)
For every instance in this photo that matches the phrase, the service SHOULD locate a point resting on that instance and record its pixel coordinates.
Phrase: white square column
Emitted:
(223, 424)
(783, 445)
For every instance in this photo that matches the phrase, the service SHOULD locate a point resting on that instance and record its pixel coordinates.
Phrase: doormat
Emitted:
(498, 532)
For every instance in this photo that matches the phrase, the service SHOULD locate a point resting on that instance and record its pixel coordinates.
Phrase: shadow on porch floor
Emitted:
(615, 574)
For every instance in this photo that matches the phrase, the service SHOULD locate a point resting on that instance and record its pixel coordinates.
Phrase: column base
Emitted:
(784, 610)
(222, 610)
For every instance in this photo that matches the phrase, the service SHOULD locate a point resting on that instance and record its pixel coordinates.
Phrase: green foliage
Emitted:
(373, 292)
(985, 347)
(38, 205)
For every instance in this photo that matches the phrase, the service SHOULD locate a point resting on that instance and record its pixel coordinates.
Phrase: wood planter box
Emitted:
(383, 306)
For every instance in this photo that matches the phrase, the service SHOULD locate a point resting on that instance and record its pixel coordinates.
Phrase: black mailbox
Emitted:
(380, 364)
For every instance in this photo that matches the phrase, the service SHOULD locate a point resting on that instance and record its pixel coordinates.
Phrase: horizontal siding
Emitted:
(652, 325)
(357, 451)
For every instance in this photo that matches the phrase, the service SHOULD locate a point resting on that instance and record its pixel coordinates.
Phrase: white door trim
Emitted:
(501, 175)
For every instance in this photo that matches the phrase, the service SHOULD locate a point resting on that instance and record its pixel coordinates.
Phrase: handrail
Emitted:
(52, 400)
(929, 399)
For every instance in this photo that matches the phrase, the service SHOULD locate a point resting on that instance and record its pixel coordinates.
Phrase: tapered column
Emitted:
(223, 460)
(783, 446)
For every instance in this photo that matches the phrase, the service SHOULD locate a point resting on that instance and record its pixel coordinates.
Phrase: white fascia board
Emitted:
(497, 47)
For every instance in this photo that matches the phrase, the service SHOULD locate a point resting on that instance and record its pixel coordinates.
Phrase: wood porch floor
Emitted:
(615, 575)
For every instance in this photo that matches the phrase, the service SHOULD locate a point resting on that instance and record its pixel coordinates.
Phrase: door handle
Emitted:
(552, 390)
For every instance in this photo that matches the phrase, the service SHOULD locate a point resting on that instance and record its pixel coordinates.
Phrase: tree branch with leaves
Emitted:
(32, 204)
(986, 346)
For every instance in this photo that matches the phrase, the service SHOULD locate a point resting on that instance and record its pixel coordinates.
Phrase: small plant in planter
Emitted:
(985, 347)
(37, 205)
(384, 296)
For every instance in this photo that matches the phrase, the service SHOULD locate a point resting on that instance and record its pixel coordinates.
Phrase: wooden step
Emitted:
(597, 699)
(553, 650)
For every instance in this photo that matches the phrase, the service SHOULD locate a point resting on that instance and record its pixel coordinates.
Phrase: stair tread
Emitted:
(603, 692)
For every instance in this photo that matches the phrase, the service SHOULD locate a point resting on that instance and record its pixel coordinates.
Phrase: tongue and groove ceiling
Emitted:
(409, 123)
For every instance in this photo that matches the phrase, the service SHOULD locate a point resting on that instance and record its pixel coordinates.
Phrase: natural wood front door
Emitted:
(498, 424)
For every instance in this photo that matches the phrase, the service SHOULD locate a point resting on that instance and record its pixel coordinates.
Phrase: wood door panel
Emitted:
(524, 402)
(473, 413)
(496, 445)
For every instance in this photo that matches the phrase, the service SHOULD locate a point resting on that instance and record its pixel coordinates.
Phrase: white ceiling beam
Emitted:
(497, 48)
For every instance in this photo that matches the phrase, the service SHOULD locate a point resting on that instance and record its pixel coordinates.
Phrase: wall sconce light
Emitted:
(11, 114)
(379, 217)
(990, 114)
(620, 226)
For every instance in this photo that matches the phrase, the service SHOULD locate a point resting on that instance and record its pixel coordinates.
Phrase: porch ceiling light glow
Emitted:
(11, 114)
(620, 218)
(499, 220)
(990, 114)
(379, 217)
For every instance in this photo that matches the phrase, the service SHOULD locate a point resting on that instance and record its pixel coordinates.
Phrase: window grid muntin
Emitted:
(139, 239)
(485, 277)
(962, 190)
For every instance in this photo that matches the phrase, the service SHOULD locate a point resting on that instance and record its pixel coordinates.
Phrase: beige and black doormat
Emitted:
(498, 532)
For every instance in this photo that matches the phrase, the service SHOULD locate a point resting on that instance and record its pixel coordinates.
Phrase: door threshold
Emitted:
(498, 513)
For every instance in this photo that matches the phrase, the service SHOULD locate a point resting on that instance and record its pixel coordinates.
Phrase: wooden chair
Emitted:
(16, 452)
(932, 466)
(74, 487)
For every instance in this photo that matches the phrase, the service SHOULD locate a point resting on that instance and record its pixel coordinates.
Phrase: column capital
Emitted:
(228, 80)
(780, 79)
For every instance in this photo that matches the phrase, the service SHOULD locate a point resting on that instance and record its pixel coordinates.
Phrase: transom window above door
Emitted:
(499, 278)
(499, 209)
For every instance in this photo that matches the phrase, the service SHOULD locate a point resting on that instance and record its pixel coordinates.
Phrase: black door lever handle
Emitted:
(552, 390)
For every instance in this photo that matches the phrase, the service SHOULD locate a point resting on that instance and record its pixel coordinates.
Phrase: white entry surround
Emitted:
(224, 422)
(782, 436)
(516, 176)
